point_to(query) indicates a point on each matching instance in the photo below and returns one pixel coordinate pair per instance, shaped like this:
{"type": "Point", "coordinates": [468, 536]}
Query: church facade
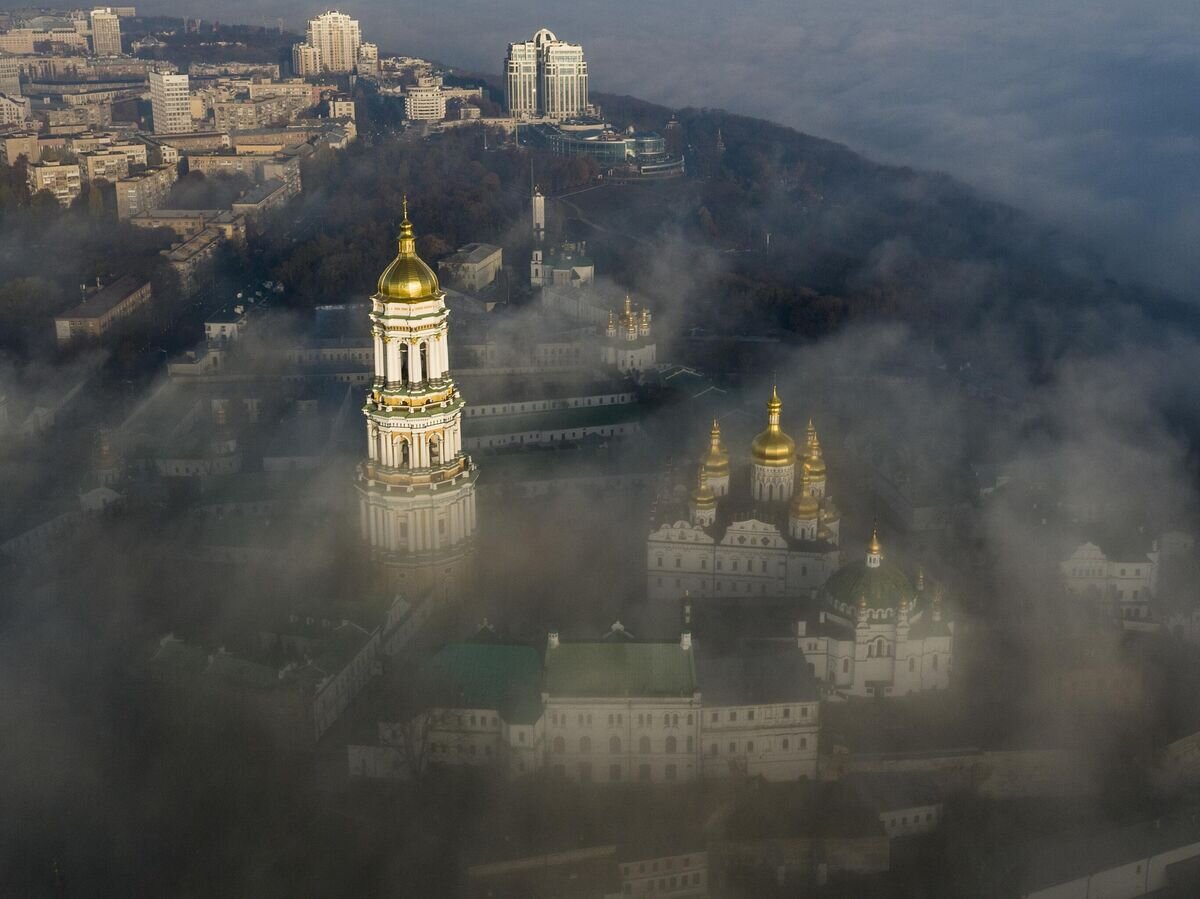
{"type": "Point", "coordinates": [773, 534]}
{"type": "Point", "coordinates": [416, 485]}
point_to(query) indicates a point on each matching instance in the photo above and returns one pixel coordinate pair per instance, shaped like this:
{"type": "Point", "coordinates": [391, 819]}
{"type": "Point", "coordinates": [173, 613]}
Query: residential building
{"type": "Point", "coordinates": [368, 60]}
{"type": "Point", "coordinates": [61, 179]}
{"type": "Point", "coordinates": [98, 312]}
{"type": "Point", "coordinates": [261, 199]}
{"type": "Point", "coordinates": [306, 60]}
{"type": "Point", "coordinates": [252, 113]}
{"type": "Point", "coordinates": [680, 874]}
{"type": "Point", "coordinates": [10, 76]}
{"type": "Point", "coordinates": [341, 108]}
{"type": "Point", "coordinates": [1118, 569]}
{"type": "Point", "coordinates": [106, 32]}
{"type": "Point", "coordinates": [473, 267]}
{"type": "Point", "coordinates": [111, 165]}
{"type": "Point", "coordinates": [546, 77]}
{"type": "Point", "coordinates": [187, 223]}
{"type": "Point", "coordinates": [144, 191]}
{"type": "Point", "coordinates": [336, 38]}
{"type": "Point", "coordinates": [188, 256]}
{"type": "Point", "coordinates": [19, 144]}
{"type": "Point", "coordinates": [14, 110]}
{"type": "Point", "coordinates": [425, 101]}
{"type": "Point", "coordinates": [170, 104]}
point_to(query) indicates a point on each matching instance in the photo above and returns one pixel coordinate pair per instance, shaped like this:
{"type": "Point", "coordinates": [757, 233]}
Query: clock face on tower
{"type": "Point", "coordinates": [416, 485]}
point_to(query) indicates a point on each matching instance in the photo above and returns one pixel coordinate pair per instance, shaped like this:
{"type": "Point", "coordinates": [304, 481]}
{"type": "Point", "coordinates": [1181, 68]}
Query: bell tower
{"type": "Point", "coordinates": [416, 486]}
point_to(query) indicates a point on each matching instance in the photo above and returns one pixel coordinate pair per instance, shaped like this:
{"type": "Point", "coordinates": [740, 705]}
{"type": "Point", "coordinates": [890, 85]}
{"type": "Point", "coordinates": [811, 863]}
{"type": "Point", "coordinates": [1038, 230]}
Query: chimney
{"type": "Point", "coordinates": [685, 640]}
{"type": "Point", "coordinates": [552, 640]}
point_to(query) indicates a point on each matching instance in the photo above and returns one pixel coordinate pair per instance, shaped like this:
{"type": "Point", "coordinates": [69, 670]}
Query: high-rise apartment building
{"type": "Point", "coordinates": [106, 32]}
{"type": "Point", "coordinates": [546, 76]}
{"type": "Point", "coordinates": [368, 59]}
{"type": "Point", "coordinates": [336, 37]}
{"type": "Point", "coordinates": [306, 60]}
{"type": "Point", "coordinates": [169, 103]}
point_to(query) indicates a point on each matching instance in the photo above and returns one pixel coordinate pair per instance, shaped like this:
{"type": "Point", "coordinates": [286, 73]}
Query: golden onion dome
{"type": "Point", "coordinates": [716, 460]}
{"type": "Point", "coordinates": [804, 505]}
{"type": "Point", "coordinates": [773, 447]}
{"type": "Point", "coordinates": [814, 462]}
{"type": "Point", "coordinates": [703, 496]}
{"type": "Point", "coordinates": [875, 548]}
{"type": "Point", "coordinates": [408, 279]}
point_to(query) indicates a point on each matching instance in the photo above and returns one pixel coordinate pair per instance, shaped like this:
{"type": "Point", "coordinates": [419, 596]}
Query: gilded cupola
{"type": "Point", "coordinates": [805, 506]}
{"type": "Point", "coordinates": [408, 279]}
{"type": "Point", "coordinates": [773, 447]}
{"type": "Point", "coordinates": [814, 461]}
{"type": "Point", "coordinates": [716, 460]}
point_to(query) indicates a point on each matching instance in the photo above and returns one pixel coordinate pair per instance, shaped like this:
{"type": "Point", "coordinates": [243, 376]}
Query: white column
{"type": "Point", "coordinates": [393, 360]}
{"type": "Point", "coordinates": [414, 363]}
{"type": "Point", "coordinates": [380, 361]}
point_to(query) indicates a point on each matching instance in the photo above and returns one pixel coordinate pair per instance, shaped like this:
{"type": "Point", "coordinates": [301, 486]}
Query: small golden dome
{"type": "Point", "coordinates": [408, 279]}
{"type": "Point", "coordinates": [813, 460]}
{"type": "Point", "coordinates": [773, 447]}
{"type": "Point", "coordinates": [804, 506]}
{"type": "Point", "coordinates": [716, 460]}
{"type": "Point", "coordinates": [875, 548]}
{"type": "Point", "coordinates": [703, 496]}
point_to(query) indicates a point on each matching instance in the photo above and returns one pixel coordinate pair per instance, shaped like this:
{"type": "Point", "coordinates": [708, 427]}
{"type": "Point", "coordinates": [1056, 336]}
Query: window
{"type": "Point", "coordinates": [787, 712]}
{"type": "Point", "coordinates": [670, 772]}
{"type": "Point", "coordinates": [671, 744]}
{"type": "Point", "coordinates": [704, 563]}
{"type": "Point", "coordinates": [644, 745]}
{"type": "Point", "coordinates": [804, 742]}
{"type": "Point", "coordinates": [935, 663]}
{"type": "Point", "coordinates": [610, 720]}
{"type": "Point", "coordinates": [733, 565]}
{"type": "Point", "coordinates": [732, 746]}
{"type": "Point", "coordinates": [660, 561]}
{"type": "Point", "coordinates": [691, 744]}
{"type": "Point", "coordinates": [750, 746]}
{"type": "Point", "coordinates": [716, 717]}
{"type": "Point", "coordinates": [585, 772]}
{"type": "Point", "coordinates": [644, 772]}
{"type": "Point", "coordinates": [733, 716]}
{"type": "Point", "coordinates": [750, 715]}
{"type": "Point", "coordinates": [845, 666]}
{"type": "Point", "coordinates": [521, 736]}
{"type": "Point", "coordinates": [690, 719]}
{"type": "Point", "coordinates": [785, 743]}
{"type": "Point", "coordinates": [614, 745]}
{"type": "Point", "coordinates": [678, 561]}
{"type": "Point", "coordinates": [585, 744]}
{"type": "Point", "coordinates": [560, 745]}
{"type": "Point", "coordinates": [614, 772]}
{"type": "Point", "coordinates": [912, 664]}
{"type": "Point", "coordinates": [712, 750]}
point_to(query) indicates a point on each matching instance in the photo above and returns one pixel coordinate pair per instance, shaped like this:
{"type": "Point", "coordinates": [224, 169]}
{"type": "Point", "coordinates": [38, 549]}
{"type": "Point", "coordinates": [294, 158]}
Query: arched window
{"type": "Point", "coordinates": [404, 459]}
{"type": "Point", "coordinates": [935, 663]}
{"type": "Point", "coordinates": [674, 721]}
{"type": "Point", "coordinates": [435, 451]}
{"type": "Point", "coordinates": [644, 745]}
{"type": "Point", "coordinates": [424, 361]}
{"type": "Point", "coordinates": [879, 647]}
{"type": "Point", "coordinates": [560, 745]}
{"type": "Point", "coordinates": [585, 744]}
{"type": "Point", "coordinates": [404, 363]}
{"type": "Point", "coordinates": [614, 745]}
{"type": "Point", "coordinates": [845, 666]}
{"type": "Point", "coordinates": [912, 664]}
{"type": "Point", "coordinates": [670, 744]}
{"type": "Point", "coordinates": [871, 651]}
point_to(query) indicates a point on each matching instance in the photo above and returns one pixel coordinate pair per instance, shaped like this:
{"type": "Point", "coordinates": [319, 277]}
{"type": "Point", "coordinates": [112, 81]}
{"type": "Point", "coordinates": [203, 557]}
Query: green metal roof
{"type": "Point", "coordinates": [496, 676]}
{"type": "Point", "coordinates": [620, 669]}
{"type": "Point", "coordinates": [882, 587]}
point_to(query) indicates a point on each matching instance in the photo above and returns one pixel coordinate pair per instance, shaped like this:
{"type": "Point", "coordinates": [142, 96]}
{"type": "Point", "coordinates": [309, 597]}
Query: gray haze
{"type": "Point", "coordinates": [1083, 112]}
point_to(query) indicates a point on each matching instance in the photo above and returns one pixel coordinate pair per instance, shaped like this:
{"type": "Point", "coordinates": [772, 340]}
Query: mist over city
{"type": "Point", "coordinates": [494, 451]}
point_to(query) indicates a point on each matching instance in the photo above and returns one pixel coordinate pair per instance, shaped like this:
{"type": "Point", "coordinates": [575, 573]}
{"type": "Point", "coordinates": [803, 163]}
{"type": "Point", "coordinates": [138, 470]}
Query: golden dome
{"type": "Point", "coordinates": [716, 460]}
{"type": "Point", "coordinates": [773, 447]}
{"type": "Point", "coordinates": [874, 547]}
{"type": "Point", "coordinates": [813, 460]}
{"type": "Point", "coordinates": [407, 278]}
{"type": "Point", "coordinates": [703, 496]}
{"type": "Point", "coordinates": [804, 505]}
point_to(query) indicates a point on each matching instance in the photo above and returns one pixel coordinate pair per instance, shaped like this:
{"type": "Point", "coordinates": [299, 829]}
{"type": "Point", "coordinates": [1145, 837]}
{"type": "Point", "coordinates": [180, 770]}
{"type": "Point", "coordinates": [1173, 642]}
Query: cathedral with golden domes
{"type": "Point", "coordinates": [416, 485]}
{"type": "Point", "coordinates": [777, 535]}
{"type": "Point", "coordinates": [772, 530]}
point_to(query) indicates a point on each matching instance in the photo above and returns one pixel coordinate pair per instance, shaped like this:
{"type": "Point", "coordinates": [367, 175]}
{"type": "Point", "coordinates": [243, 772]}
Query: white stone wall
{"type": "Point", "coordinates": [777, 742]}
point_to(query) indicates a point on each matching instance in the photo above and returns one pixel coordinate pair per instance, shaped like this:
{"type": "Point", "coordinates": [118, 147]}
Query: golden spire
{"type": "Point", "coordinates": [813, 459]}
{"type": "Point", "coordinates": [773, 447]}
{"type": "Point", "coordinates": [703, 496]}
{"type": "Point", "coordinates": [874, 549]}
{"type": "Point", "coordinates": [805, 506]}
{"type": "Point", "coordinates": [628, 305]}
{"type": "Point", "coordinates": [716, 460]}
{"type": "Point", "coordinates": [408, 278]}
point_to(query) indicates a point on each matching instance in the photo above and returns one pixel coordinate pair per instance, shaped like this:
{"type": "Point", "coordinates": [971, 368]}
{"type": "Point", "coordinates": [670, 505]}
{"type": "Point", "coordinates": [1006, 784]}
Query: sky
{"type": "Point", "coordinates": [1084, 113]}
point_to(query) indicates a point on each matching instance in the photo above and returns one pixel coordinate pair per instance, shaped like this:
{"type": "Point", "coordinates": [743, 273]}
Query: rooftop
{"type": "Point", "coordinates": [763, 676]}
{"type": "Point", "coordinates": [620, 669]}
{"type": "Point", "coordinates": [103, 301]}
{"type": "Point", "coordinates": [472, 253]}
{"type": "Point", "coordinates": [497, 676]}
